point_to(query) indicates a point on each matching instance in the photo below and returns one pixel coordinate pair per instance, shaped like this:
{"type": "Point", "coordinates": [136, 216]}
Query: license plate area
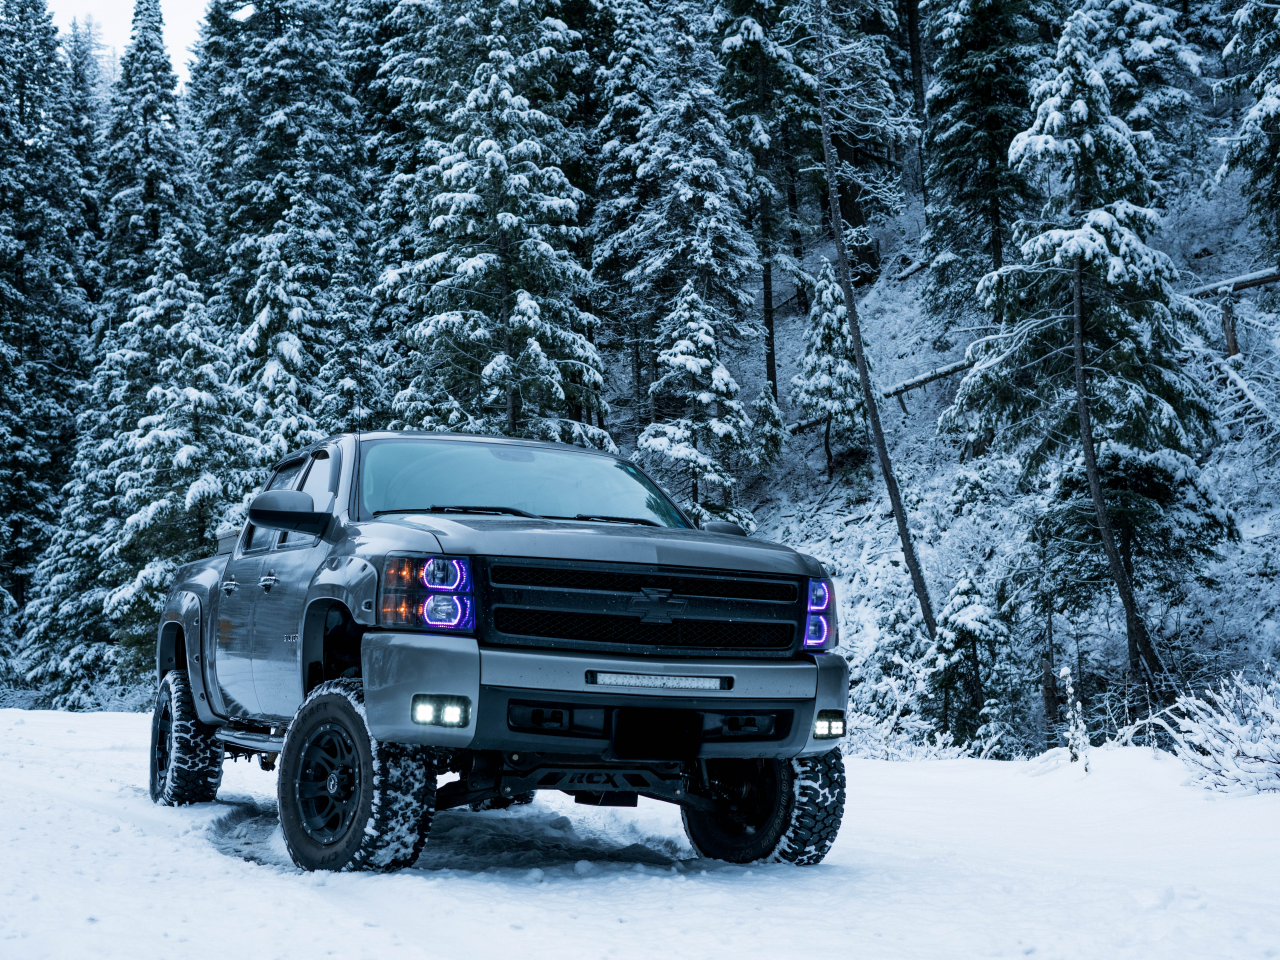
{"type": "Point", "coordinates": [647, 733]}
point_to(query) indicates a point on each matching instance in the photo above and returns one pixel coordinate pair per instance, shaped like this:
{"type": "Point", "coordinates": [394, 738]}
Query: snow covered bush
{"type": "Point", "coordinates": [1231, 737]}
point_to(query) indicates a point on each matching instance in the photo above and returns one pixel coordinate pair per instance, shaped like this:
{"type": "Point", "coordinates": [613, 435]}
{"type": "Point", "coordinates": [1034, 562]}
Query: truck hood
{"type": "Point", "coordinates": [599, 542]}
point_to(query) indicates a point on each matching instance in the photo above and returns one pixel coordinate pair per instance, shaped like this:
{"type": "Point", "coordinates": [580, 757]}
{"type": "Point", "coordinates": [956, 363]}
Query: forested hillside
{"type": "Point", "coordinates": [715, 237]}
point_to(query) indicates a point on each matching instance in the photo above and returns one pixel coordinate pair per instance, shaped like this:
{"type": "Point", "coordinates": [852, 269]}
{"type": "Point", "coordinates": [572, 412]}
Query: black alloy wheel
{"type": "Point", "coordinates": [328, 785]}
{"type": "Point", "coordinates": [348, 801]}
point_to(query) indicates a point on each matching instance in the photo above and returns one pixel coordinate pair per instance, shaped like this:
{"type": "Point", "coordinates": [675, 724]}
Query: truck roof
{"type": "Point", "coordinates": [431, 434]}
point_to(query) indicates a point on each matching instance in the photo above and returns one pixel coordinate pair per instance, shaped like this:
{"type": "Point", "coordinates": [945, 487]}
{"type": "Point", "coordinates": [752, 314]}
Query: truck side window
{"type": "Point", "coordinates": [283, 479]}
{"type": "Point", "coordinates": [319, 484]}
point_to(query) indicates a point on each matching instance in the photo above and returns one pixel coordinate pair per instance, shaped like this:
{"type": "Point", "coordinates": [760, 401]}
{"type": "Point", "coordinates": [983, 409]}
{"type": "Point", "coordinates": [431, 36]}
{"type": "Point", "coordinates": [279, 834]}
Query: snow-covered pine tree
{"type": "Point", "coordinates": [189, 462]}
{"type": "Point", "coordinates": [827, 386]}
{"type": "Point", "coordinates": [1256, 44]}
{"type": "Point", "coordinates": [975, 687]}
{"type": "Point", "coordinates": [149, 481]}
{"type": "Point", "coordinates": [764, 90]}
{"type": "Point", "coordinates": [689, 203]}
{"type": "Point", "coordinates": [147, 182]}
{"type": "Point", "coordinates": [497, 342]}
{"type": "Point", "coordinates": [83, 49]}
{"type": "Point", "coordinates": [695, 451]}
{"type": "Point", "coordinates": [870, 126]}
{"type": "Point", "coordinates": [42, 307]}
{"type": "Point", "coordinates": [978, 103]}
{"type": "Point", "coordinates": [1089, 294]}
{"type": "Point", "coordinates": [273, 108]}
{"type": "Point", "coordinates": [626, 88]}
{"type": "Point", "coordinates": [1151, 72]}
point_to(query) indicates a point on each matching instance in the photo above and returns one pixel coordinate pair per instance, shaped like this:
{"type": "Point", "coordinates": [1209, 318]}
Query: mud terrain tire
{"type": "Point", "coordinates": [186, 758]}
{"type": "Point", "coordinates": [347, 801]}
{"type": "Point", "coordinates": [777, 811]}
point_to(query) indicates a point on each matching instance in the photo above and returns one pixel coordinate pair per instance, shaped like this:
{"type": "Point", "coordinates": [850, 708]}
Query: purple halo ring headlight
{"type": "Point", "coordinates": [819, 595]}
{"type": "Point", "coordinates": [451, 574]}
{"type": "Point", "coordinates": [816, 632]}
{"type": "Point", "coordinates": [448, 610]}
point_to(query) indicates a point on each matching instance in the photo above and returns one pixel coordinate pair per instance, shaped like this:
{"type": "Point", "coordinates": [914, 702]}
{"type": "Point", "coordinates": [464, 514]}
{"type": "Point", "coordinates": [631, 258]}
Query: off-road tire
{"type": "Point", "coordinates": [186, 758]}
{"type": "Point", "coordinates": [797, 823]}
{"type": "Point", "coordinates": [391, 799]}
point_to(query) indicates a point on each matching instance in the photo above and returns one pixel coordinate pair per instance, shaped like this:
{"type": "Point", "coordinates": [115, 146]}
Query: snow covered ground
{"type": "Point", "coordinates": [946, 859]}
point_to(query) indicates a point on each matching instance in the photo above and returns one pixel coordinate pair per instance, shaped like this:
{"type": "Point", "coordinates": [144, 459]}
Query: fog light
{"type": "Point", "coordinates": [441, 711]}
{"type": "Point", "coordinates": [829, 725]}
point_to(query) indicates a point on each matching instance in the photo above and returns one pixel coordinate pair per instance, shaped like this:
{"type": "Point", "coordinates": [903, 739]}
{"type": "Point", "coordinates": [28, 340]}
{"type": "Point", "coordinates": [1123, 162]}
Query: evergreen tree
{"type": "Point", "coordinates": [146, 181]}
{"type": "Point", "coordinates": [497, 342]}
{"type": "Point", "coordinates": [827, 386]}
{"type": "Point", "coordinates": [627, 88]}
{"type": "Point", "coordinates": [695, 453]}
{"type": "Point", "coordinates": [978, 103]}
{"type": "Point", "coordinates": [280, 156]}
{"type": "Point", "coordinates": [975, 685]}
{"type": "Point", "coordinates": [688, 205]}
{"type": "Point", "coordinates": [83, 49]}
{"type": "Point", "coordinates": [1090, 294]}
{"type": "Point", "coordinates": [1257, 43]}
{"type": "Point", "coordinates": [764, 91]}
{"type": "Point", "coordinates": [1150, 69]}
{"type": "Point", "coordinates": [42, 306]}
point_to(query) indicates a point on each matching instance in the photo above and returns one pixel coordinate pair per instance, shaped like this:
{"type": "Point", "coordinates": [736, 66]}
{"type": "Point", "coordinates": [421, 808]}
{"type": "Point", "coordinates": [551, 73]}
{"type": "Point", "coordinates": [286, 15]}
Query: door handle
{"type": "Point", "coordinates": [269, 581]}
{"type": "Point", "coordinates": [229, 587]}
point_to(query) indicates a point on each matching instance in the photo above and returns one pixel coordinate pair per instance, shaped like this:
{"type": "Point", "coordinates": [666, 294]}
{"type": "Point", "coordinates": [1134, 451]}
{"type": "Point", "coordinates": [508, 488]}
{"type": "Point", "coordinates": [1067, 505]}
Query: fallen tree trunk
{"type": "Point", "coordinates": [937, 373]}
{"type": "Point", "coordinates": [1235, 284]}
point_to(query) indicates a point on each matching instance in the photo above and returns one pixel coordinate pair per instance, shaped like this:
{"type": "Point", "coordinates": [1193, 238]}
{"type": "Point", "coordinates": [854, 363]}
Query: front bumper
{"type": "Point", "coordinates": [762, 709]}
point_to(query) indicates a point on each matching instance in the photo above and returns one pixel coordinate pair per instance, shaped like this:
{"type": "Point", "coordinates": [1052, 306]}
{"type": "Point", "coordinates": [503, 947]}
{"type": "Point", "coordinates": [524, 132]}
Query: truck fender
{"type": "Point", "coordinates": [351, 581]}
{"type": "Point", "coordinates": [178, 647]}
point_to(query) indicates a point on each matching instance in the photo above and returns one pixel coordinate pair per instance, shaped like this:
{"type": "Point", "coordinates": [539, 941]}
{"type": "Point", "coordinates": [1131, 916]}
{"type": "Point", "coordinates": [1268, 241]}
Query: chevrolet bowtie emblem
{"type": "Point", "coordinates": [656, 606]}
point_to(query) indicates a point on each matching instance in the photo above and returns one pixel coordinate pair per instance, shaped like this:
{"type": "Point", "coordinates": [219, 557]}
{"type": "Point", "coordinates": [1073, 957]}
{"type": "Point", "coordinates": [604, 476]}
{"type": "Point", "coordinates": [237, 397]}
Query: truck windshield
{"type": "Point", "coordinates": [415, 475]}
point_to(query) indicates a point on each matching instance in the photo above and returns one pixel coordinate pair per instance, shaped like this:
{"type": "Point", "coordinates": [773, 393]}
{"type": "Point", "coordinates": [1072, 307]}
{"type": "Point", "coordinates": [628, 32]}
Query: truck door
{"type": "Point", "coordinates": [286, 574]}
{"type": "Point", "coordinates": [233, 663]}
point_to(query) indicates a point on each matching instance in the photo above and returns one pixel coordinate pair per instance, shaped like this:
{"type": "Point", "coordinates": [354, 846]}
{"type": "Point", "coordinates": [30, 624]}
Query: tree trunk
{"type": "Point", "coordinates": [826, 445]}
{"type": "Point", "coordinates": [1229, 325]}
{"type": "Point", "coordinates": [766, 257]}
{"type": "Point", "coordinates": [1049, 688]}
{"type": "Point", "coordinates": [508, 344]}
{"type": "Point", "coordinates": [997, 231]}
{"type": "Point", "coordinates": [797, 247]}
{"type": "Point", "coordinates": [1142, 657]}
{"type": "Point", "coordinates": [864, 375]}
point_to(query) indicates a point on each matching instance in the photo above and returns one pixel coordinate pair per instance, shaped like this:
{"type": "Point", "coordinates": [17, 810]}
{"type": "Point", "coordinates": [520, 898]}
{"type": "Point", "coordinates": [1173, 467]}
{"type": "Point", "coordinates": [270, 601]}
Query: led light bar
{"type": "Point", "coordinates": [652, 681]}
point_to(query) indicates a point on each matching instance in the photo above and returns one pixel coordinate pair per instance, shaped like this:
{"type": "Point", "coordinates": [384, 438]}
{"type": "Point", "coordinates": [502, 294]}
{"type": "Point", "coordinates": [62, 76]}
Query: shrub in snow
{"type": "Point", "coordinates": [1077, 733]}
{"type": "Point", "coordinates": [1230, 738]}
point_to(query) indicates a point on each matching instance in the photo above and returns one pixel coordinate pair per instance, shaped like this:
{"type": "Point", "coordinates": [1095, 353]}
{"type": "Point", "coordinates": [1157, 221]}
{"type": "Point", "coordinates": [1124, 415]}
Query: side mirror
{"type": "Point", "coordinates": [723, 526]}
{"type": "Point", "coordinates": [288, 510]}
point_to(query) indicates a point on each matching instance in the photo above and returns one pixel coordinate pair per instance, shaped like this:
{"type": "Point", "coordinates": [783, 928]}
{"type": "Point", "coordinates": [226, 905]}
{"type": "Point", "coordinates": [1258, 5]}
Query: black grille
{"type": "Point", "coordinates": [602, 628]}
{"type": "Point", "coordinates": [735, 589]}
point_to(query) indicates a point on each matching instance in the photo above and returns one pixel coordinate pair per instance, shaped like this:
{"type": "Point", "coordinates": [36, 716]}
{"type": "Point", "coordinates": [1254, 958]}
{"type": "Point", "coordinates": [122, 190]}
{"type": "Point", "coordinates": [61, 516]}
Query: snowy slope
{"type": "Point", "coordinates": [951, 859]}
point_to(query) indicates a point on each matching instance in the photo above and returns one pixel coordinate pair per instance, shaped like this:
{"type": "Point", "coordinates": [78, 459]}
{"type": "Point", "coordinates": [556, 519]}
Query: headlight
{"type": "Point", "coordinates": [434, 592]}
{"type": "Point", "coordinates": [822, 630]}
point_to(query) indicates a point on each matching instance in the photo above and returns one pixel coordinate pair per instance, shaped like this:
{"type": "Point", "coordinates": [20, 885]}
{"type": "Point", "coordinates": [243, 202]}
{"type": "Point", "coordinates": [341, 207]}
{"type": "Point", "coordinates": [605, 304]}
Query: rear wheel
{"type": "Point", "coordinates": [186, 758]}
{"type": "Point", "coordinates": [347, 801]}
{"type": "Point", "coordinates": [786, 811]}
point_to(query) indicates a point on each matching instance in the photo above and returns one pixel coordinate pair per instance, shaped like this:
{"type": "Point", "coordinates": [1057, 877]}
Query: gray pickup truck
{"type": "Point", "coordinates": [527, 616]}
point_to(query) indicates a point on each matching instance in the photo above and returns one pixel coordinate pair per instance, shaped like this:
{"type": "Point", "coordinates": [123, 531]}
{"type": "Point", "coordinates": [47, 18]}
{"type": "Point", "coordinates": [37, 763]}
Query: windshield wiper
{"type": "Point", "coordinates": [606, 519]}
{"type": "Point", "coordinates": [512, 511]}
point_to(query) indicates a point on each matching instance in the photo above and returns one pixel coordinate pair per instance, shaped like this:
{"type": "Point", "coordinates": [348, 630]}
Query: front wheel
{"type": "Point", "coordinates": [186, 758]}
{"type": "Point", "coordinates": [781, 811]}
{"type": "Point", "coordinates": [348, 801]}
